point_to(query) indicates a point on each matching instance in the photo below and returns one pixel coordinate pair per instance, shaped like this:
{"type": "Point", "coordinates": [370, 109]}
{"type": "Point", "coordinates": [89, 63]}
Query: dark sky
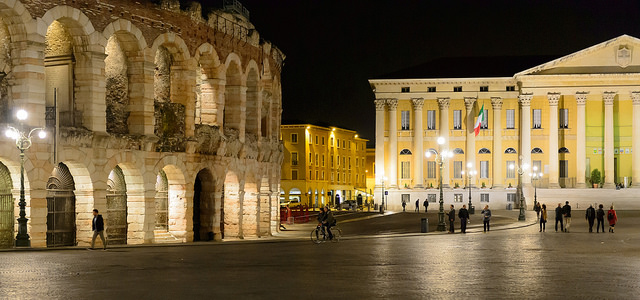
{"type": "Point", "coordinates": [334, 47]}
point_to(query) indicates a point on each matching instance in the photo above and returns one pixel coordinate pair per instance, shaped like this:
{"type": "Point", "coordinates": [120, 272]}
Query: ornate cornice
{"type": "Point", "coordinates": [417, 103]}
{"type": "Point", "coordinates": [496, 102]}
{"type": "Point", "coordinates": [581, 98]}
{"type": "Point", "coordinates": [635, 97]}
{"type": "Point", "coordinates": [469, 101]}
{"type": "Point", "coordinates": [608, 97]}
{"type": "Point", "coordinates": [444, 102]}
{"type": "Point", "coordinates": [553, 98]}
{"type": "Point", "coordinates": [525, 99]}
{"type": "Point", "coordinates": [392, 103]}
{"type": "Point", "coordinates": [381, 104]}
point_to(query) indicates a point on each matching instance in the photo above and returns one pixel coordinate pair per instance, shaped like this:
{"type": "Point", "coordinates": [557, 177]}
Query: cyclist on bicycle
{"type": "Point", "coordinates": [328, 221]}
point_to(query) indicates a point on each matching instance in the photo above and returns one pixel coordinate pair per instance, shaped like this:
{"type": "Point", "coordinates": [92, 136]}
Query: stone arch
{"type": "Point", "coordinates": [122, 25]}
{"type": "Point", "coordinates": [85, 199]}
{"type": "Point", "coordinates": [253, 102]}
{"type": "Point", "coordinates": [250, 205]}
{"type": "Point", "coordinates": [234, 96]}
{"type": "Point", "coordinates": [231, 206]}
{"type": "Point", "coordinates": [116, 214]}
{"type": "Point", "coordinates": [135, 205]}
{"type": "Point", "coordinates": [174, 43]}
{"type": "Point", "coordinates": [209, 86]}
{"type": "Point", "coordinates": [179, 208]}
{"type": "Point", "coordinates": [203, 206]}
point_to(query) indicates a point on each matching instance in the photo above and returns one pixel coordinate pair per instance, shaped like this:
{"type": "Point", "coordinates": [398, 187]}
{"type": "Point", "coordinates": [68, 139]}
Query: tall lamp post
{"type": "Point", "coordinates": [470, 173]}
{"type": "Point", "coordinates": [521, 168]}
{"type": "Point", "coordinates": [382, 195]}
{"type": "Point", "coordinates": [440, 159]}
{"type": "Point", "coordinates": [535, 176]}
{"type": "Point", "coordinates": [23, 142]}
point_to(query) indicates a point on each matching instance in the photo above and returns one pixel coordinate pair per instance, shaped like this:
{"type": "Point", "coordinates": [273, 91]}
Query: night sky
{"type": "Point", "coordinates": [333, 47]}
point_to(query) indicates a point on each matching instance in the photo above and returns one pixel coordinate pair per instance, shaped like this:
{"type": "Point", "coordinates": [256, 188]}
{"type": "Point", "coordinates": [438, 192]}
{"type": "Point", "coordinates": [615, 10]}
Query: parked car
{"type": "Point", "coordinates": [349, 204]}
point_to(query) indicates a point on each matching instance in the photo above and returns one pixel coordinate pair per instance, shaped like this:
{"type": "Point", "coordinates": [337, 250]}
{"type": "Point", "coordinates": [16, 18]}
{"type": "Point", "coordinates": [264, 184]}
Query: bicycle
{"type": "Point", "coordinates": [319, 234]}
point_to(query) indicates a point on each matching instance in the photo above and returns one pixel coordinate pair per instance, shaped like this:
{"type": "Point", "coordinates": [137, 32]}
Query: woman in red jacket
{"type": "Point", "coordinates": [613, 219]}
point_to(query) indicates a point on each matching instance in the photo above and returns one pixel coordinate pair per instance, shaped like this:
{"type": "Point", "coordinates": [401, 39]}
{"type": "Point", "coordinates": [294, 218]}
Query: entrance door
{"type": "Point", "coordinates": [116, 227]}
{"type": "Point", "coordinates": [7, 218]}
{"type": "Point", "coordinates": [197, 192]}
{"type": "Point", "coordinates": [162, 201]}
{"type": "Point", "coordinates": [61, 208]}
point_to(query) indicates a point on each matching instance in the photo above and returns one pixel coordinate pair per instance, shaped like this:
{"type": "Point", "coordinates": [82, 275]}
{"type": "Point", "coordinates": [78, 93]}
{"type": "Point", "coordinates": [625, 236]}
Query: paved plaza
{"type": "Point", "coordinates": [514, 261]}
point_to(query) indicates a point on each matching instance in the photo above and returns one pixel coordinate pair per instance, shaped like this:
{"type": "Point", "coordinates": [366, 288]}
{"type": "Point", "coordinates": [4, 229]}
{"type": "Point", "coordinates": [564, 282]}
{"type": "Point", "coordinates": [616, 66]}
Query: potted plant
{"type": "Point", "coordinates": [457, 186]}
{"type": "Point", "coordinates": [484, 186]}
{"type": "Point", "coordinates": [430, 185]}
{"type": "Point", "coordinates": [595, 178]}
{"type": "Point", "coordinates": [510, 186]}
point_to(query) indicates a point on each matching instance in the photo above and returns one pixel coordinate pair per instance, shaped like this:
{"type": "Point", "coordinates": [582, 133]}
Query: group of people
{"type": "Point", "coordinates": [463, 215]}
{"type": "Point", "coordinates": [563, 216]}
{"type": "Point", "coordinates": [425, 204]}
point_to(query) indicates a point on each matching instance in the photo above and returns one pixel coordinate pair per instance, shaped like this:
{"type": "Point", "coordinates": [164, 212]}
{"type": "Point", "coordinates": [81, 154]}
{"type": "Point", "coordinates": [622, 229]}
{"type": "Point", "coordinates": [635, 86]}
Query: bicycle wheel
{"type": "Point", "coordinates": [337, 234]}
{"type": "Point", "coordinates": [317, 236]}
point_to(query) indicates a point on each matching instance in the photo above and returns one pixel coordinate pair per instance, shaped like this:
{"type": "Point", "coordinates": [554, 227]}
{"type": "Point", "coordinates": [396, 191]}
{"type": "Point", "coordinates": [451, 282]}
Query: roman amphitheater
{"type": "Point", "coordinates": [165, 117]}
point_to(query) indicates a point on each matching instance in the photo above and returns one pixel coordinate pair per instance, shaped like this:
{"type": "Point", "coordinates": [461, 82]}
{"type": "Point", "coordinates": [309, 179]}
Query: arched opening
{"type": "Point", "coordinates": [231, 205]}
{"type": "Point", "coordinates": [295, 197]}
{"type": "Point", "coordinates": [59, 61]}
{"type": "Point", "coordinates": [203, 207]}
{"type": "Point", "coordinates": [264, 114]}
{"type": "Point", "coordinates": [510, 151]}
{"type": "Point", "coordinates": [61, 208]}
{"type": "Point", "coordinates": [116, 218]}
{"type": "Point", "coordinates": [170, 117]}
{"type": "Point", "coordinates": [252, 111]}
{"type": "Point", "coordinates": [177, 217]}
{"type": "Point", "coordinates": [232, 98]}
{"type": "Point", "coordinates": [6, 208]}
{"type": "Point", "coordinates": [162, 202]}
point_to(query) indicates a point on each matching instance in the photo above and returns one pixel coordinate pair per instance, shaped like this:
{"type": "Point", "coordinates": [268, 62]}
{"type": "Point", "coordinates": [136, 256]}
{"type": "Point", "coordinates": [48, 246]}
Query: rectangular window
{"type": "Point", "coordinates": [323, 160]}
{"type": "Point", "coordinates": [310, 178]}
{"type": "Point", "coordinates": [344, 177]}
{"type": "Point", "coordinates": [457, 89]}
{"type": "Point", "coordinates": [537, 119]}
{"type": "Point", "coordinates": [405, 168]}
{"type": "Point", "coordinates": [406, 89]}
{"type": "Point", "coordinates": [349, 163]}
{"type": "Point", "coordinates": [332, 176]}
{"type": "Point", "coordinates": [338, 143]}
{"type": "Point", "coordinates": [317, 162]}
{"type": "Point", "coordinates": [431, 169]}
{"type": "Point", "coordinates": [564, 118]}
{"type": "Point", "coordinates": [511, 173]}
{"type": "Point", "coordinates": [406, 198]}
{"type": "Point", "coordinates": [316, 139]}
{"type": "Point", "coordinates": [294, 158]}
{"type": "Point", "coordinates": [404, 120]}
{"type": "Point", "coordinates": [344, 144]}
{"type": "Point", "coordinates": [564, 168]}
{"type": "Point", "coordinates": [294, 138]}
{"type": "Point", "coordinates": [338, 160]}
{"type": "Point", "coordinates": [323, 140]}
{"type": "Point", "coordinates": [511, 197]}
{"type": "Point", "coordinates": [457, 119]}
{"type": "Point", "coordinates": [457, 169]}
{"type": "Point", "coordinates": [484, 169]}
{"type": "Point", "coordinates": [537, 164]}
{"type": "Point", "coordinates": [511, 118]}
{"type": "Point", "coordinates": [511, 88]}
{"type": "Point", "coordinates": [338, 176]}
{"type": "Point", "coordinates": [316, 175]}
{"type": "Point", "coordinates": [484, 88]}
{"type": "Point", "coordinates": [431, 119]}
{"type": "Point", "coordinates": [485, 121]}
{"type": "Point", "coordinates": [310, 161]}
{"type": "Point", "coordinates": [331, 141]}
{"type": "Point", "coordinates": [431, 89]}
{"type": "Point", "coordinates": [294, 174]}
{"type": "Point", "coordinates": [322, 175]}
{"type": "Point", "coordinates": [344, 162]}
{"type": "Point", "coordinates": [431, 197]}
{"type": "Point", "coordinates": [457, 198]}
{"type": "Point", "coordinates": [332, 161]}
{"type": "Point", "coordinates": [484, 198]}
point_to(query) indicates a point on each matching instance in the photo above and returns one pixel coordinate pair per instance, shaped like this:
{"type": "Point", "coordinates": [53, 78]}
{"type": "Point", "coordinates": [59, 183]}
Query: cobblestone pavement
{"type": "Point", "coordinates": [519, 263]}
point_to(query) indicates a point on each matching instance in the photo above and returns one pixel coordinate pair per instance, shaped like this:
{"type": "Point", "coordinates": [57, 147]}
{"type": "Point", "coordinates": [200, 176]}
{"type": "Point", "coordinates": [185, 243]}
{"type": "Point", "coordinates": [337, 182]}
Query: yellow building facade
{"type": "Point", "coordinates": [563, 118]}
{"type": "Point", "coordinates": [322, 166]}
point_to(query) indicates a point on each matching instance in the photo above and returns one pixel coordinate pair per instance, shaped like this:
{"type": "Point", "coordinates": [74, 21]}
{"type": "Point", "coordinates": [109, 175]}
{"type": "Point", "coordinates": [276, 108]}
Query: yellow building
{"type": "Point", "coordinates": [563, 118]}
{"type": "Point", "coordinates": [322, 166]}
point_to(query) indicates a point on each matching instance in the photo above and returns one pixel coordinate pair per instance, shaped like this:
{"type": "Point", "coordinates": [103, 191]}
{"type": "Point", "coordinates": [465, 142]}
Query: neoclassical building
{"type": "Point", "coordinates": [563, 118]}
{"type": "Point", "coordinates": [165, 119]}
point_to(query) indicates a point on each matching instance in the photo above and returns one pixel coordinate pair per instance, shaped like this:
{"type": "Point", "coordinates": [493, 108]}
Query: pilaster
{"type": "Point", "coordinates": [525, 133]}
{"type": "Point", "coordinates": [581, 154]}
{"type": "Point", "coordinates": [418, 142]}
{"type": "Point", "coordinates": [444, 132]}
{"type": "Point", "coordinates": [393, 143]}
{"type": "Point", "coordinates": [553, 99]}
{"type": "Point", "coordinates": [609, 168]}
{"type": "Point", "coordinates": [496, 103]}
{"type": "Point", "coordinates": [635, 146]}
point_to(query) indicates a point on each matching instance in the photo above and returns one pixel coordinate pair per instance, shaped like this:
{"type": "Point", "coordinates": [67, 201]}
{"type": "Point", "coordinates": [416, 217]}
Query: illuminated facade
{"type": "Point", "coordinates": [565, 117]}
{"type": "Point", "coordinates": [322, 165]}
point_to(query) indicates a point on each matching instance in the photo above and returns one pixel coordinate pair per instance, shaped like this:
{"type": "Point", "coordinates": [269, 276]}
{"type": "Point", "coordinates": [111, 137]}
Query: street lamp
{"type": "Point", "coordinates": [23, 142]}
{"type": "Point", "coordinates": [440, 159]}
{"type": "Point", "coordinates": [470, 173]}
{"type": "Point", "coordinates": [382, 196]}
{"type": "Point", "coordinates": [521, 168]}
{"type": "Point", "coordinates": [535, 176]}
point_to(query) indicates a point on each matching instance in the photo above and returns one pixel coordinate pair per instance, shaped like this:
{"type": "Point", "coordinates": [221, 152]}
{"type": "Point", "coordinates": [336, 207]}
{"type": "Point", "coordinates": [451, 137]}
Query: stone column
{"type": "Point", "coordinates": [581, 154]}
{"type": "Point", "coordinates": [381, 105]}
{"type": "Point", "coordinates": [470, 152]}
{"type": "Point", "coordinates": [392, 167]}
{"type": "Point", "coordinates": [609, 168]}
{"type": "Point", "coordinates": [418, 142]}
{"type": "Point", "coordinates": [217, 210]}
{"type": "Point", "coordinates": [525, 133]}
{"type": "Point", "coordinates": [635, 143]}
{"type": "Point", "coordinates": [496, 103]}
{"type": "Point", "coordinates": [444, 132]}
{"type": "Point", "coordinates": [553, 139]}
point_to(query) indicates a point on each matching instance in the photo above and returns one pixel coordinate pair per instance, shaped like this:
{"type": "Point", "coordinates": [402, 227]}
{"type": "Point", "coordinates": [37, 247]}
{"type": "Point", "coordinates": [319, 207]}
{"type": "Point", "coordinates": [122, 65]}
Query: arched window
{"type": "Point", "coordinates": [458, 151]}
{"type": "Point", "coordinates": [536, 151]}
{"type": "Point", "coordinates": [510, 151]}
{"type": "Point", "coordinates": [563, 150]}
{"type": "Point", "coordinates": [484, 151]}
{"type": "Point", "coordinates": [405, 152]}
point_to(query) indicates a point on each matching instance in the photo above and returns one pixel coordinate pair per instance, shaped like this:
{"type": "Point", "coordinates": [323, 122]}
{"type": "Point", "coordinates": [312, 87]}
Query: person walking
{"type": "Point", "coordinates": [425, 204]}
{"type": "Point", "coordinates": [613, 219]}
{"type": "Point", "coordinates": [417, 205]}
{"type": "Point", "coordinates": [97, 225]}
{"type": "Point", "coordinates": [537, 208]}
{"type": "Point", "coordinates": [590, 215]}
{"type": "Point", "coordinates": [463, 214]}
{"type": "Point", "coordinates": [452, 218]}
{"type": "Point", "coordinates": [559, 216]}
{"type": "Point", "coordinates": [404, 204]}
{"type": "Point", "coordinates": [600, 218]}
{"type": "Point", "coordinates": [543, 218]}
{"type": "Point", "coordinates": [566, 213]}
{"type": "Point", "coordinates": [486, 217]}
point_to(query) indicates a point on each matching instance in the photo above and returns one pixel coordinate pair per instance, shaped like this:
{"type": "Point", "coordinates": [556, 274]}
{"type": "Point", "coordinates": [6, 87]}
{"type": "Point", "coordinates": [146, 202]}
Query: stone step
{"type": "Point", "coordinates": [162, 236]}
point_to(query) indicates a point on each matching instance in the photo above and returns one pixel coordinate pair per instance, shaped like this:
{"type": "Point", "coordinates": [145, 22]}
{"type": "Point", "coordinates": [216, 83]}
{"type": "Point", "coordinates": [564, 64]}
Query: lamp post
{"type": "Point", "coordinates": [470, 173]}
{"type": "Point", "coordinates": [23, 142]}
{"type": "Point", "coordinates": [382, 195]}
{"type": "Point", "coordinates": [535, 176]}
{"type": "Point", "coordinates": [440, 160]}
{"type": "Point", "coordinates": [521, 168]}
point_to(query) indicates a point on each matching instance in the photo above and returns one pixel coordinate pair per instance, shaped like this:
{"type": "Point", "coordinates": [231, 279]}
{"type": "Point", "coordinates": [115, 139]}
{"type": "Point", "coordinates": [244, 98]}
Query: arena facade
{"type": "Point", "coordinates": [164, 117]}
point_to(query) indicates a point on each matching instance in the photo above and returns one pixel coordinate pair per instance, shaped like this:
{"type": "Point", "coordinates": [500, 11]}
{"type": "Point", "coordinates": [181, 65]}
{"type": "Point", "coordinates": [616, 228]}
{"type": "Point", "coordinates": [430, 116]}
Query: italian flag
{"type": "Point", "coordinates": [481, 117]}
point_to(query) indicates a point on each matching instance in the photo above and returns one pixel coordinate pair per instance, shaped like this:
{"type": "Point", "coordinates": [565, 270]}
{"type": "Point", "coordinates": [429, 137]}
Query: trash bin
{"type": "Point", "coordinates": [472, 209]}
{"type": "Point", "coordinates": [424, 225]}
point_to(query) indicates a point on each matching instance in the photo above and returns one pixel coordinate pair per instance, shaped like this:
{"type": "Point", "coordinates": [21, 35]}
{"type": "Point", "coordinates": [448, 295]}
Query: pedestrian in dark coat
{"type": "Point", "coordinates": [425, 204]}
{"type": "Point", "coordinates": [590, 215]}
{"type": "Point", "coordinates": [463, 214]}
{"type": "Point", "coordinates": [600, 218]}
{"type": "Point", "coordinates": [404, 204]}
{"type": "Point", "coordinates": [566, 211]}
{"type": "Point", "coordinates": [97, 225]}
{"type": "Point", "coordinates": [537, 208]}
{"type": "Point", "coordinates": [486, 217]}
{"type": "Point", "coordinates": [417, 205]}
{"type": "Point", "coordinates": [559, 215]}
{"type": "Point", "coordinates": [613, 219]}
{"type": "Point", "coordinates": [452, 218]}
{"type": "Point", "coordinates": [543, 218]}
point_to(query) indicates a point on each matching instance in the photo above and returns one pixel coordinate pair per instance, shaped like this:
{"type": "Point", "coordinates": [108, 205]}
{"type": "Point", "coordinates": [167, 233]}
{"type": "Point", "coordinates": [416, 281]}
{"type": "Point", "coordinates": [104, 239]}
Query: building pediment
{"type": "Point", "coordinates": [618, 55]}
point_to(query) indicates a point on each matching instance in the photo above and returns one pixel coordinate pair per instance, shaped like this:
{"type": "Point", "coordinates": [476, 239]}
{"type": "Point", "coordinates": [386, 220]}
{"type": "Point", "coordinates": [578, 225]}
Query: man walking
{"type": "Point", "coordinates": [591, 216]}
{"type": "Point", "coordinates": [98, 229]}
{"type": "Point", "coordinates": [404, 204]}
{"type": "Point", "coordinates": [463, 214]}
{"type": "Point", "coordinates": [600, 217]}
{"type": "Point", "coordinates": [486, 217]}
{"type": "Point", "coordinates": [452, 218]}
{"type": "Point", "coordinates": [559, 217]}
{"type": "Point", "coordinates": [425, 204]}
{"type": "Point", "coordinates": [417, 205]}
{"type": "Point", "coordinates": [566, 210]}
